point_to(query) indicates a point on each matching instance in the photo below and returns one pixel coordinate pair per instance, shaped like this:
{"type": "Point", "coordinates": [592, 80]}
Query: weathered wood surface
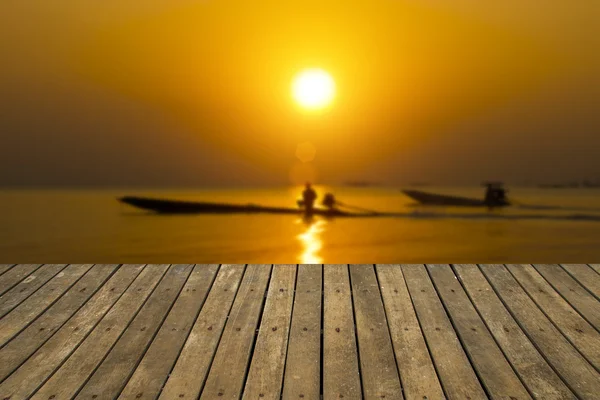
{"type": "Point", "coordinates": [299, 332]}
{"type": "Point", "coordinates": [24, 345]}
{"type": "Point", "coordinates": [194, 361]}
{"type": "Point", "coordinates": [26, 287]}
{"type": "Point", "coordinates": [586, 276]}
{"type": "Point", "coordinates": [153, 371]}
{"type": "Point", "coordinates": [417, 372]}
{"type": "Point", "coordinates": [265, 376]}
{"type": "Point", "coordinates": [572, 367]}
{"type": "Point", "coordinates": [457, 376]}
{"type": "Point", "coordinates": [112, 374]}
{"type": "Point", "coordinates": [531, 366]}
{"type": "Point", "coordinates": [42, 364]}
{"type": "Point", "coordinates": [572, 325]}
{"type": "Point", "coordinates": [490, 364]}
{"type": "Point", "coordinates": [30, 309]}
{"type": "Point", "coordinates": [303, 363]}
{"type": "Point", "coordinates": [5, 267]}
{"type": "Point", "coordinates": [379, 372]}
{"type": "Point", "coordinates": [230, 365]}
{"type": "Point", "coordinates": [79, 367]}
{"type": "Point", "coordinates": [14, 275]}
{"type": "Point", "coordinates": [572, 291]}
{"type": "Point", "coordinates": [341, 378]}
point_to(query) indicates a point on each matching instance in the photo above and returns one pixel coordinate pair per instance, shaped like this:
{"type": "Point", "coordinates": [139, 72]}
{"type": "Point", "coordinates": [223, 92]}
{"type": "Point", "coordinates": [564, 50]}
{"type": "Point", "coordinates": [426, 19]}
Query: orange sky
{"type": "Point", "coordinates": [152, 93]}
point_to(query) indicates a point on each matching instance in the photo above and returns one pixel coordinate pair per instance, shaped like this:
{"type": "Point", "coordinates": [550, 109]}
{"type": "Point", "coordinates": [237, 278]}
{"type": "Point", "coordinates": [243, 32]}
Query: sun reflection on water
{"type": "Point", "coordinates": [311, 241]}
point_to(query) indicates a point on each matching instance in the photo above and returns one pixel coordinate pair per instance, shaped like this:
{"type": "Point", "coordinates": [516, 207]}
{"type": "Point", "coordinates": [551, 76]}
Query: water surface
{"type": "Point", "coordinates": [78, 226]}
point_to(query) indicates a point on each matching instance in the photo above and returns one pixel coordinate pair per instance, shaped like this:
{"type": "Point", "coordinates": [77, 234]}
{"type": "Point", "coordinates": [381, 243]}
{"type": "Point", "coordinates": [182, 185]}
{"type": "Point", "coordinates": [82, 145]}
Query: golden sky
{"type": "Point", "coordinates": [198, 92]}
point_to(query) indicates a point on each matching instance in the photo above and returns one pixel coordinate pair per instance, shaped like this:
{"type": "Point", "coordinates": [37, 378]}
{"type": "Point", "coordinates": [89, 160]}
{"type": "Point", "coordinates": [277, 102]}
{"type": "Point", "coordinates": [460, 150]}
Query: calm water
{"type": "Point", "coordinates": [90, 226]}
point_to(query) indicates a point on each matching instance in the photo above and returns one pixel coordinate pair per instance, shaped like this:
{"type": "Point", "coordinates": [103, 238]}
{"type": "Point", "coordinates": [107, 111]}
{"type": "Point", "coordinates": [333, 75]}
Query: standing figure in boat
{"type": "Point", "coordinates": [309, 196]}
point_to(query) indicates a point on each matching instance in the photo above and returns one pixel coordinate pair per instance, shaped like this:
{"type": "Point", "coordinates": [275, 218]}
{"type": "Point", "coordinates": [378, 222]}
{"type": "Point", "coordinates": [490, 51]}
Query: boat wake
{"type": "Point", "coordinates": [491, 216]}
{"type": "Point", "coordinates": [557, 208]}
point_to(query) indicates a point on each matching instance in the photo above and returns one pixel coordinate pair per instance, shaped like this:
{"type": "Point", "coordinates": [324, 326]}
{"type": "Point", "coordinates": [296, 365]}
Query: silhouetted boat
{"type": "Point", "coordinates": [185, 207]}
{"type": "Point", "coordinates": [444, 200]}
{"type": "Point", "coordinates": [164, 206]}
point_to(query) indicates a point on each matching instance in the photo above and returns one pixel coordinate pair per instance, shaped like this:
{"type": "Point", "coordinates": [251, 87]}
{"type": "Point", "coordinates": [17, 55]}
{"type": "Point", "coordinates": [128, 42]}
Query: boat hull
{"type": "Point", "coordinates": [450, 201]}
{"type": "Point", "coordinates": [164, 206]}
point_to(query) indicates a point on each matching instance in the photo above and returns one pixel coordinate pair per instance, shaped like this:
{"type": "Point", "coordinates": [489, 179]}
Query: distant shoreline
{"type": "Point", "coordinates": [343, 185]}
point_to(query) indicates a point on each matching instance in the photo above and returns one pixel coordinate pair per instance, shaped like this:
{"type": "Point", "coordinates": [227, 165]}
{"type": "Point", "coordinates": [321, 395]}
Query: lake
{"type": "Point", "coordinates": [90, 226]}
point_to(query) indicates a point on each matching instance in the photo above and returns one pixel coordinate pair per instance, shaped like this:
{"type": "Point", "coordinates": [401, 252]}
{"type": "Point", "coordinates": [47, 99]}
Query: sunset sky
{"type": "Point", "coordinates": [192, 93]}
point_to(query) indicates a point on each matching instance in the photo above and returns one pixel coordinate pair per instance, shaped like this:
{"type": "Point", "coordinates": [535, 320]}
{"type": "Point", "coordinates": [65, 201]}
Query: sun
{"type": "Point", "coordinates": [313, 89]}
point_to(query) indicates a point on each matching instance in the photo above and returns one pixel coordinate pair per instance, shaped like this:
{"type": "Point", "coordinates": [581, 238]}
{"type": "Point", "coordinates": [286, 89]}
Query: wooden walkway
{"type": "Point", "coordinates": [299, 332]}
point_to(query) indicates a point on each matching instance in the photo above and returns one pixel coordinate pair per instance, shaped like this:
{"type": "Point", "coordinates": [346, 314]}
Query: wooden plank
{"type": "Point", "coordinates": [494, 371]}
{"type": "Point", "coordinates": [579, 332]}
{"type": "Point", "coordinates": [533, 369]}
{"type": "Point", "coordinates": [25, 381]}
{"type": "Point", "coordinates": [24, 345]}
{"type": "Point", "coordinates": [303, 364]}
{"type": "Point", "coordinates": [417, 372]}
{"type": "Point", "coordinates": [111, 376]}
{"type": "Point", "coordinates": [341, 378]}
{"type": "Point", "coordinates": [265, 376]}
{"type": "Point", "coordinates": [575, 294]}
{"type": "Point", "coordinates": [577, 373]}
{"type": "Point", "coordinates": [228, 371]}
{"type": "Point", "coordinates": [15, 275]}
{"type": "Point", "coordinates": [5, 267]}
{"type": "Point", "coordinates": [454, 370]}
{"type": "Point", "coordinates": [189, 373]}
{"type": "Point", "coordinates": [595, 267]}
{"type": "Point", "coordinates": [30, 309]}
{"type": "Point", "coordinates": [27, 286]}
{"type": "Point", "coordinates": [67, 380]}
{"type": "Point", "coordinates": [153, 371]}
{"type": "Point", "coordinates": [379, 371]}
{"type": "Point", "coordinates": [586, 277]}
